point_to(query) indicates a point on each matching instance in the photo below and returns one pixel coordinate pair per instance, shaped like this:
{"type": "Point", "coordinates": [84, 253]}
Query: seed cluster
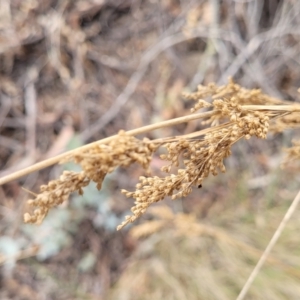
{"type": "Point", "coordinates": [123, 151]}
{"type": "Point", "coordinates": [189, 159]}
{"type": "Point", "coordinates": [197, 159]}
{"type": "Point", "coordinates": [241, 95]}
{"type": "Point", "coordinates": [244, 122]}
{"type": "Point", "coordinates": [96, 162]}
{"type": "Point", "coordinates": [55, 193]}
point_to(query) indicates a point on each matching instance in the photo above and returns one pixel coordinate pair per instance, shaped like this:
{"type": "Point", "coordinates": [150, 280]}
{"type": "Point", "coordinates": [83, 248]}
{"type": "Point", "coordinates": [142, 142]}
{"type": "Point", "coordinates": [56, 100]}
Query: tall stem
{"type": "Point", "coordinates": [56, 159]}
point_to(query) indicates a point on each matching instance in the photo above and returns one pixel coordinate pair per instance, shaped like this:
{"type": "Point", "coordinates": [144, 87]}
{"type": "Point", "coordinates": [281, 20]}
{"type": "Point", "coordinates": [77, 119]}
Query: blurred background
{"type": "Point", "coordinates": [74, 71]}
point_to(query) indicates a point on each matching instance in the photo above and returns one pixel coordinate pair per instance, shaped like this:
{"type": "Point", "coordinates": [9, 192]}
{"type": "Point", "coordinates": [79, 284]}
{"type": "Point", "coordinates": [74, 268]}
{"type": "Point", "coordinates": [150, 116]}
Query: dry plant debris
{"type": "Point", "coordinates": [96, 162]}
{"type": "Point", "coordinates": [236, 113]}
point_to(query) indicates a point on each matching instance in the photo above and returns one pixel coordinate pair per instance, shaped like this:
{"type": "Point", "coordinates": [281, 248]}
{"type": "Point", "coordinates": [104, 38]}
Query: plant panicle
{"type": "Point", "coordinates": [96, 162]}
{"type": "Point", "coordinates": [236, 113]}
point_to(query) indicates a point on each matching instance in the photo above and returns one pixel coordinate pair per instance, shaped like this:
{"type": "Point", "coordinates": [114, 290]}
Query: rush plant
{"type": "Point", "coordinates": [232, 113]}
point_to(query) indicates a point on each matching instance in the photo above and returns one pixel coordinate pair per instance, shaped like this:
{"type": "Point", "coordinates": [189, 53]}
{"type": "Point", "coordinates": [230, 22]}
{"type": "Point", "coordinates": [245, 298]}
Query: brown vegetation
{"type": "Point", "coordinates": [73, 72]}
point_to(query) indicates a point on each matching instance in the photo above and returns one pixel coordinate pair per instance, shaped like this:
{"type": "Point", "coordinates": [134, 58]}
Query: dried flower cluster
{"type": "Point", "coordinates": [235, 94]}
{"type": "Point", "coordinates": [122, 151]}
{"type": "Point", "coordinates": [198, 158]}
{"type": "Point", "coordinates": [96, 162]}
{"type": "Point", "coordinates": [242, 95]}
{"type": "Point", "coordinates": [237, 112]}
{"type": "Point", "coordinates": [55, 193]}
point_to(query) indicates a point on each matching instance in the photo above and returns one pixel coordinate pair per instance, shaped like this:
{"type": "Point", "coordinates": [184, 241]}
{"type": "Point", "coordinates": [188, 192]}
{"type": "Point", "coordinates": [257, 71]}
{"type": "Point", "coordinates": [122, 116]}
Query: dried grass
{"type": "Point", "coordinates": [72, 45]}
{"type": "Point", "coordinates": [235, 113]}
{"type": "Point", "coordinates": [185, 258]}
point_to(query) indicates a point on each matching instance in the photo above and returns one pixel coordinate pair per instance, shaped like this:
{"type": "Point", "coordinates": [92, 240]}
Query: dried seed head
{"type": "Point", "coordinates": [197, 158]}
{"type": "Point", "coordinates": [96, 162]}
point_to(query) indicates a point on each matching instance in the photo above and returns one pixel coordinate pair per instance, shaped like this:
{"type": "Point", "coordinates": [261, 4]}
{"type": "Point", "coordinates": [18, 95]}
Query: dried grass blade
{"type": "Point", "coordinates": [269, 248]}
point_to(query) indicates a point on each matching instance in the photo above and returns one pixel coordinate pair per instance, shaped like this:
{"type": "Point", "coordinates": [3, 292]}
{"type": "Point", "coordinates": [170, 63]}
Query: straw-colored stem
{"type": "Point", "coordinates": [192, 135]}
{"type": "Point", "coordinates": [270, 246]}
{"type": "Point", "coordinates": [56, 159]}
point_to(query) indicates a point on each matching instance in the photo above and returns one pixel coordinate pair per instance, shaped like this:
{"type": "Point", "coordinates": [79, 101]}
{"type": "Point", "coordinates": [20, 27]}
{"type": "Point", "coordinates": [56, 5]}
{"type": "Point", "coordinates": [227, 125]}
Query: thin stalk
{"type": "Point", "coordinates": [285, 108]}
{"type": "Point", "coordinates": [192, 135]}
{"type": "Point", "coordinates": [56, 159]}
{"type": "Point", "coordinates": [270, 246]}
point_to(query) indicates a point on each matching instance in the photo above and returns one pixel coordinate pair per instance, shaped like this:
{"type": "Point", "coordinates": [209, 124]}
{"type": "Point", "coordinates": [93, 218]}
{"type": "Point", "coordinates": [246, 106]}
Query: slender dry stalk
{"type": "Point", "coordinates": [269, 248]}
{"type": "Point", "coordinates": [55, 160]}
